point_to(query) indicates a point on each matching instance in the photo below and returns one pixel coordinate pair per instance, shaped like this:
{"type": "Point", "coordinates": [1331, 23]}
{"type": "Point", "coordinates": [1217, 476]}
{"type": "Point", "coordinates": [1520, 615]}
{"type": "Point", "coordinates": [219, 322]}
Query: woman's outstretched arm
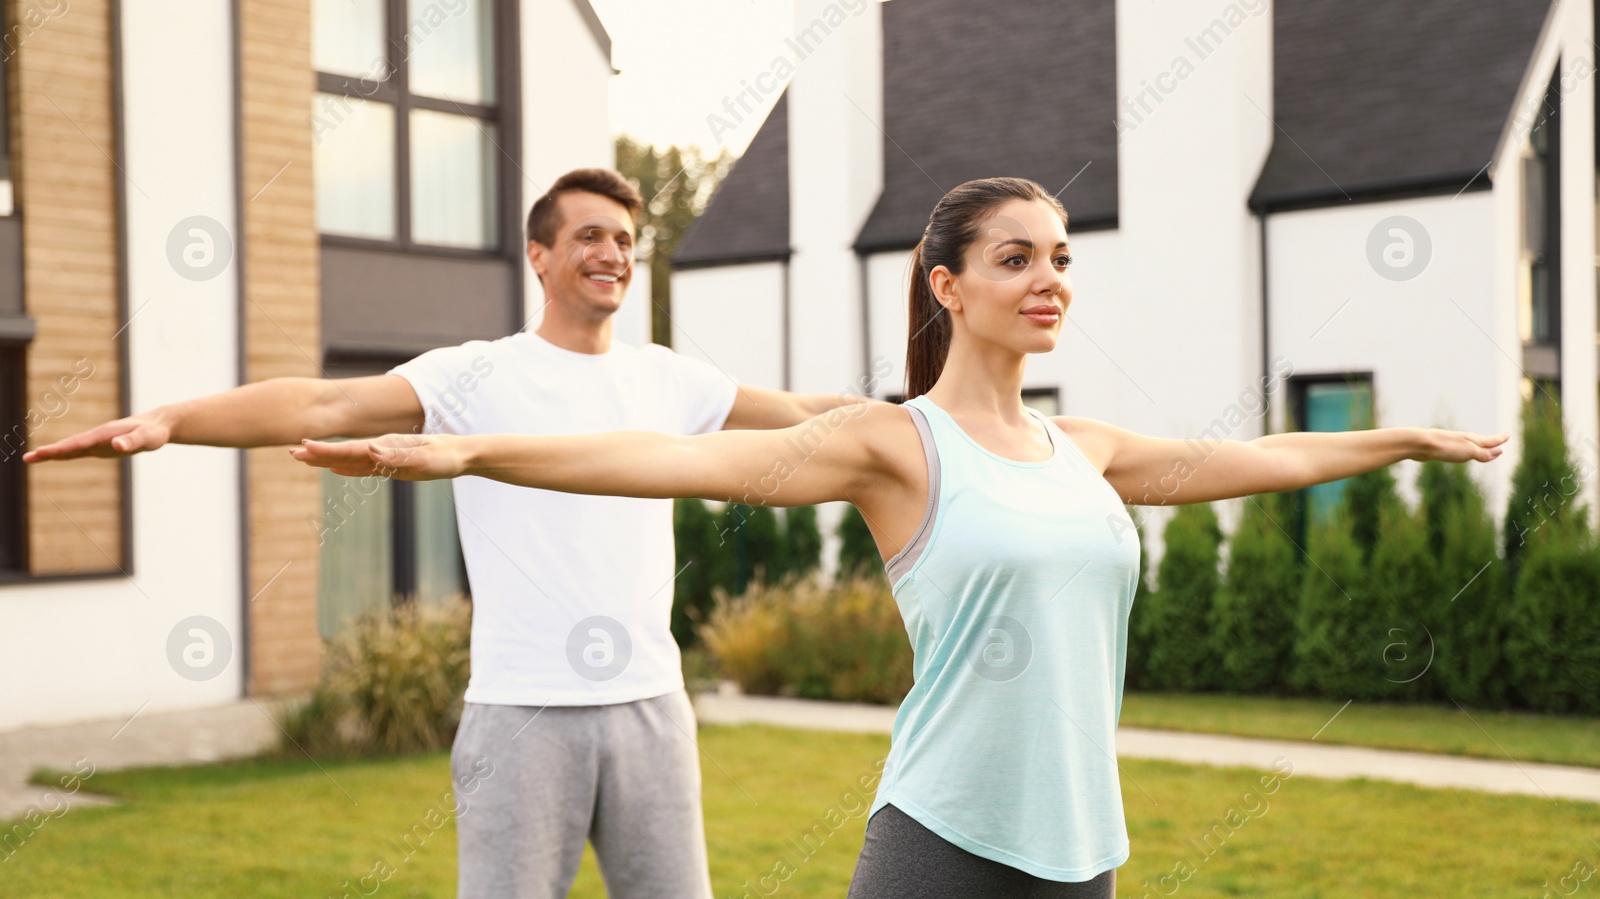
{"type": "Point", "coordinates": [821, 459]}
{"type": "Point", "coordinates": [1153, 471]}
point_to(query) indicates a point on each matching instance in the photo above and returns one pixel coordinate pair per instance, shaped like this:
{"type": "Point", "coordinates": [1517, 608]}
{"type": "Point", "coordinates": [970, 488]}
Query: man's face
{"type": "Point", "coordinates": [591, 262]}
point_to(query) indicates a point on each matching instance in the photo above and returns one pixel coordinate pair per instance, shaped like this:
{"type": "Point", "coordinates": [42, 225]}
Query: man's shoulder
{"type": "Point", "coordinates": [477, 349]}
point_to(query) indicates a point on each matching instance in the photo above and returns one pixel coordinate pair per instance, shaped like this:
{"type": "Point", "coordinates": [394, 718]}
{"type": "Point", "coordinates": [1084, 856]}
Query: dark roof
{"type": "Point", "coordinates": [978, 90]}
{"type": "Point", "coordinates": [748, 217]}
{"type": "Point", "coordinates": [1374, 97]}
{"type": "Point", "coordinates": [1386, 97]}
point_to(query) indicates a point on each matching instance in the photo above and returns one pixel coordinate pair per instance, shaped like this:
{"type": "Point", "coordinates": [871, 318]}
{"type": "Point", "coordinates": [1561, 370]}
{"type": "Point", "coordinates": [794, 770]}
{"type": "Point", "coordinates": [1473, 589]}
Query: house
{"type": "Point", "coordinates": [1279, 212]}
{"type": "Point", "coordinates": [199, 195]}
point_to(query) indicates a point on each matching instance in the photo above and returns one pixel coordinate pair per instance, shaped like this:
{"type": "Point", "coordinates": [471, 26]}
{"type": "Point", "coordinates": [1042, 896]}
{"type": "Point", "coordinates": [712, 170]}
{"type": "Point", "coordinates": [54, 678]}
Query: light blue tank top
{"type": "Point", "coordinates": [1015, 592]}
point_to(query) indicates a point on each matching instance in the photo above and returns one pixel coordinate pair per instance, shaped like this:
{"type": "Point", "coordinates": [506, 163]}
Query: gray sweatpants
{"type": "Point", "coordinates": [544, 780]}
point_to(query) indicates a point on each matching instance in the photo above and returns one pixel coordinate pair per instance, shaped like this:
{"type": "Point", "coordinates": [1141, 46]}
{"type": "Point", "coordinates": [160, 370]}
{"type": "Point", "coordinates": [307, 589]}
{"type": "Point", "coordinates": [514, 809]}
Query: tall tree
{"type": "Point", "coordinates": [676, 183]}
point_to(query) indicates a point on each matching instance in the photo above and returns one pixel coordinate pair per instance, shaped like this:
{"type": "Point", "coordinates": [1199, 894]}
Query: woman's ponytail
{"type": "Point", "coordinates": [930, 331]}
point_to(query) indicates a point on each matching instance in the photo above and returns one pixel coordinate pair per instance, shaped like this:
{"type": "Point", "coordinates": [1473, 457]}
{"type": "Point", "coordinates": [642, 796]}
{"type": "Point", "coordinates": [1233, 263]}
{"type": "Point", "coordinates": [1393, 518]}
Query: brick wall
{"type": "Point", "coordinates": [282, 322]}
{"type": "Point", "coordinates": [64, 145]}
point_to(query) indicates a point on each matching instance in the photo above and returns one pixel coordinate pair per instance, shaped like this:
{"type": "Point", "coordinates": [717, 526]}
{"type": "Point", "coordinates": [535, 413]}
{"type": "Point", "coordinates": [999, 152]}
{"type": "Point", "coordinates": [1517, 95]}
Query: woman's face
{"type": "Point", "coordinates": [1016, 288]}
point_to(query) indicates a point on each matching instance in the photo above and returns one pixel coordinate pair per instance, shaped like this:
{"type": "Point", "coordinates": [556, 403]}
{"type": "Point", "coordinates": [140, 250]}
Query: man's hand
{"type": "Point", "coordinates": [404, 457]}
{"type": "Point", "coordinates": [112, 440]}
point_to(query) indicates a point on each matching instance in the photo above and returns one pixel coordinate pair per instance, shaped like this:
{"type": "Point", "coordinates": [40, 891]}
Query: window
{"type": "Point", "coordinates": [1044, 399]}
{"type": "Point", "coordinates": [1540, 270]}
{"type": "Point", "coordinates": [1330, 403]}
{"type": "Point", "coordinates": [383, 539]}
{"type": "Point", "coordinates": [16, 330]}
{"type": "Point", "coordinates": [13, 477]}
{"type": "Point", "coordinates": [404, 122]}
{"type": "Point", "coordinates": [7, 51]}
{"type": "Point", "coordinates": [1540, 390]}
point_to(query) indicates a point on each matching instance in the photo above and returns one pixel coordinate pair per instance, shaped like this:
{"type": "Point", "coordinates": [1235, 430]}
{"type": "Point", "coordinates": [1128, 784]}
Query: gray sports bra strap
{"type": "Point", "coordinates": [903, 560]}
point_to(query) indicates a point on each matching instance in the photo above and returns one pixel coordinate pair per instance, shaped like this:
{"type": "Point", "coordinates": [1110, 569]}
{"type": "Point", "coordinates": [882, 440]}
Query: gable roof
{"type": "Point", "coordinates": [978, 90]}
{"type": "Point", "coordinates": [1387, 98]}
{"type": "Point", "coordinates": [1376, 98]}
{"type": "Point", "coordinates": [747, 219]}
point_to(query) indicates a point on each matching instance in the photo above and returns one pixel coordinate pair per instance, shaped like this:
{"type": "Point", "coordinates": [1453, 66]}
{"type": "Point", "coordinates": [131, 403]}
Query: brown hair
{"type": "Point", "coordinates": [543, 218]}
{"type": "Point", "coordinates": [952, 228]}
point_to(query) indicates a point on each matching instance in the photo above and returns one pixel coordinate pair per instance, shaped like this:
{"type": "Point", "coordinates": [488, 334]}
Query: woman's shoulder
{"type": "Point", "coordinates": [1097, 440]}
{"type": "Point", "coordinates": [885, 431]}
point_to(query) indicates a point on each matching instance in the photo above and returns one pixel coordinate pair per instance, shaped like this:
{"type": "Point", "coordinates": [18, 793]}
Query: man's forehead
{"type": "Point", "coordinates": [583, 211]}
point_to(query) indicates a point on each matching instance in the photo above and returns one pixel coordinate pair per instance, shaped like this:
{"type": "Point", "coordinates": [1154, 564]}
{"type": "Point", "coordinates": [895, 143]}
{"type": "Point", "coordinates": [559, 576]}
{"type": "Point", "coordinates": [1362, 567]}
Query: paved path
{"type": "Point", "coordinates": [243, 728]}
{"type": "Point", "coordinates": [147, 738]}
{"type": "Point", "coordinates": [1326, 760]}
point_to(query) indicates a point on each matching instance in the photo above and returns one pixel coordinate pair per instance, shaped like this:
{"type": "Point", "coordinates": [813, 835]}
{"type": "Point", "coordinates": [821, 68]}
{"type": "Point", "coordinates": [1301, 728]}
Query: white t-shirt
{"type": "Point", "coordinates": [572, 593]}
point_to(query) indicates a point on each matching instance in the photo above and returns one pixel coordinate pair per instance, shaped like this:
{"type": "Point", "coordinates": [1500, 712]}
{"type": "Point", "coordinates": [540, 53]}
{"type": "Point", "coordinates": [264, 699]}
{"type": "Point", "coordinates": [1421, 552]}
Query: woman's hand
{"type": "Point", "coordinates": [404, 457]}
{"type": "Point", "coordinates": [1460, 446]}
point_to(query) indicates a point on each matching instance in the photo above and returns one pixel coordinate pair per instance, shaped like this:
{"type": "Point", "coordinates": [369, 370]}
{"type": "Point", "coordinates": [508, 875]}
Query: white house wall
{"type": "Point", "coordinates": [1431, 342]}
{"type": "Point", "coordinates": [1190, 149]}
{"type": "Point", "coordinates": [97, 648]}
{"type": "Point", "coordinates": [1194, 94]}
{"type": "Point", "coordinates": [835, 174]}
{"type": "Point", "coordinates": [888, 284]}
{"type": "Point", "coordinates": [631, 323]}
{"type": "Point", "coordinates": [732, 317]}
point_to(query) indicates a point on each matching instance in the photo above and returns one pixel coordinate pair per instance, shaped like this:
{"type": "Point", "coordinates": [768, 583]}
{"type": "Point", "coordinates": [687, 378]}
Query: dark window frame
{"type": "Point", "coordinates": [1297, 384]}
{"type": "Point", "coordinates": [13, 376]}
{"type": "Point", "coordinates": [1052, 392]}
{"type": "Point", "coordinates": [13, 474]}
{"type": "Point", "coordinates": [395, 91]}
{"type": "Point", "coordinates": [7, 53]}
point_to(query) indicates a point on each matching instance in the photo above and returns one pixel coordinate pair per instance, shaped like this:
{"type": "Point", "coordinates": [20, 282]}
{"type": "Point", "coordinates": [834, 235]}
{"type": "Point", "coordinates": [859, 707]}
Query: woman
{"type": "Point", "coordinates": [1009, 550]}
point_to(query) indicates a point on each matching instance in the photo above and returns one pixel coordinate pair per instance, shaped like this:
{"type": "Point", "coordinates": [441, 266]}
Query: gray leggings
{"type": "Point", "coordinates": [904, 860]}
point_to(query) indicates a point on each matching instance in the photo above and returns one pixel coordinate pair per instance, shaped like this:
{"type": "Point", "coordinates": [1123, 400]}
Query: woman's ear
{"type": "Point", "coordinates": [945, 288]}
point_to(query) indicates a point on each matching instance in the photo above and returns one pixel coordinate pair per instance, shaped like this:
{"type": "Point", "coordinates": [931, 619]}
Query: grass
{"type": "Point", "coordinates": [278, 829]}
{"type": "Point", "coordinates": [1524, 736]}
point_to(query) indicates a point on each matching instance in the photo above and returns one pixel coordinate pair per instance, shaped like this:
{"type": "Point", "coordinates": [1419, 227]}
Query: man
{"type": "Point", "coordinates": [576, 696]}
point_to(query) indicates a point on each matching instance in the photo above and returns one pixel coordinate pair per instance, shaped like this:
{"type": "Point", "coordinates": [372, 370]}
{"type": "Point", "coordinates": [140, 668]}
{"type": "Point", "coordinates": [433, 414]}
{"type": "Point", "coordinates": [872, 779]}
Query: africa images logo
{"type": "Point", "coordinates": [599, 648]}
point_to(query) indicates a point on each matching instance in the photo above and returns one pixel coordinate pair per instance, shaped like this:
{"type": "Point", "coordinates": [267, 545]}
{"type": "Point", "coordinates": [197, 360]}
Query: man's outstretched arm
{"type": "Point", "coordinates": [273, 412]}
{"type": "Point", "coordinates": [756, 408]}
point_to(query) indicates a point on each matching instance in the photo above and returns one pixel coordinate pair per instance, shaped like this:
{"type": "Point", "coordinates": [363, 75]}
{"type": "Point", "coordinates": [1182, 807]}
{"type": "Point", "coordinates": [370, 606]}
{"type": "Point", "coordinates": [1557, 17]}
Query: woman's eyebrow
{"type": "Point", "coordinates": [1025, 242]}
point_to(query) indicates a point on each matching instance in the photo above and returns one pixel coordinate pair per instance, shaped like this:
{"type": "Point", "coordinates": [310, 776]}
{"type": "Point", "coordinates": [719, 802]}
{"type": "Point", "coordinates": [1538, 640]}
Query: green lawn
{"type": "Point", "coordinates": [1524, 736]}
{"type": "Point", "coordinates": [272, 829]}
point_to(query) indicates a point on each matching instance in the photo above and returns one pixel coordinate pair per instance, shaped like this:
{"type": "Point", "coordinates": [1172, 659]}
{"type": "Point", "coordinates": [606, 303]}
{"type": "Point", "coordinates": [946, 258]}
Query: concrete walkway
{"type": "Point", "coordinates": [1325, 760]}
{"type": "Point", "coordinates": [193, 736]}
{"type": "Point", "coordinates": [244, 728]}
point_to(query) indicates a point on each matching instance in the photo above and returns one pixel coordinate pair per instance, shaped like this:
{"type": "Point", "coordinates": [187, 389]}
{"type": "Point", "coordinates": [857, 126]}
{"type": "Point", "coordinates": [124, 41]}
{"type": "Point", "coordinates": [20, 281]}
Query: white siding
{"type": "Point", "coordinates": [732, 317]}
{"type": "Point", "coordinates": [835, 177]}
